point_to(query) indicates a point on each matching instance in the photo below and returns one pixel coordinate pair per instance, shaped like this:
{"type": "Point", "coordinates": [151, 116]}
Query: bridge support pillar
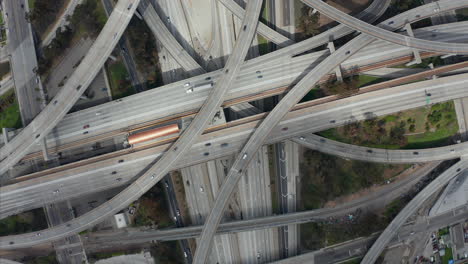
{"type": "Point", "coordinates": [339, 75]}
{"type": "Point", "coordinates": [417, 56]}
{"type": "Point", "coordinates": [5, 131]}
{"type": "Point", "coordinates": [45, 153]}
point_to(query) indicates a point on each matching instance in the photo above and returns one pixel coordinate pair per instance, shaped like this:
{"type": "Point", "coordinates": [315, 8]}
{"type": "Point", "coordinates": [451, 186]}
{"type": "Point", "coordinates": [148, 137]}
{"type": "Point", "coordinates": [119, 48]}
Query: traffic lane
{"type": "Point", "coordinates": [319, 116]}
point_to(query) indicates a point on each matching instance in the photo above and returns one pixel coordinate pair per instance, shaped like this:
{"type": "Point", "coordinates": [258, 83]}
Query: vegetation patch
{"type": "Point", "coordinates": [87, 21]}
{"type": "Point", "coordinates": [152, 209]}
{"type": "Point", "coordinates": [325, 177]}
{"type": "Point", "coordinates": [143, 45]}
{"type": "Point", "coordinates": [24, 222]}
{"type": "Point", "coordinates": [315, 236]}
{"type": "Point", "coordinates": [263, 47]}
{"type": "Point", "coordinates": [307, 24]}
{"type": "Point", "coordinates": [167, 252]}
{"type": "Point", "coordinates": [448, 256]}
{"type": "Point", "coordinates": [50, 259]}
{"type": "Point", "coordinates": [462, 14]}
{"type": "Point", "coordinates": [43, 14]}
{"type": "Point", "coordinates": [119, 79]}
{"type": "Point", "coordinates": [422, 127]}
{"type": "Point", "coordinates": [10, 116]}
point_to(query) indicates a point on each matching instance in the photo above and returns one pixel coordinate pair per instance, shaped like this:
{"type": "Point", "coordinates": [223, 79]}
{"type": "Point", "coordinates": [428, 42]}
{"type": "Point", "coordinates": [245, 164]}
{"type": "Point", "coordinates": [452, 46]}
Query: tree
{"type": "Point", "coordinates": [308, 22]}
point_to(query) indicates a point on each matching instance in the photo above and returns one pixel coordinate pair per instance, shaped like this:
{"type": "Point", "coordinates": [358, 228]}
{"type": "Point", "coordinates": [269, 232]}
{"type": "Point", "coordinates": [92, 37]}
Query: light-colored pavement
{"type": "Point", "coordinates": [273, 118]}
{"type": "Point", "coordinates": [384, 32]}
{"type": "Point", "coordinates": [173, 101]}
{"type": "Point", "coordinates": [93, 175]}
{"type": "Point", "coordinates": [392, 229]}
{"type": "Point", "coordinates": [263, 29]}
{"type": "Point", "coordinates": [6, 84]}
{"type": "Point", "coordinates": [349, 151]}
{"type": "Point", "coordinates": [161, 168]}
{"type": "Point", "coordinates": [358, 247]}
{"type": "Point", "coordinates": [60, 21]}
{"type": "Point", "coordinates": [12, 152]}
{"type": "Point", "coordinates": [23, 61]}
{"type": "Point", "coordinates": [166, 38]}
{"type": "Point", "coordinates": [376, 199]}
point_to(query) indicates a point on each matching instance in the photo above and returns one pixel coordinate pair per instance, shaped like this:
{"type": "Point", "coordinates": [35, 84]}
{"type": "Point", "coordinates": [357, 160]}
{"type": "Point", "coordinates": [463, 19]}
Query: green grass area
{"type": "Point", "coordinates": [462, 14]}
{"type": "Point", "coordinates": [31, 4]}
{"type": "Point", "coordinates": [325, 177]}
{"type": "Point", "coordinates": [119, 80]}
{"type": "Point", "coordinates": [419, 128]}
{"type": "Point", "coordinates": [22, 223]}
{"type": "Point", "coordinates": [444, 231]}
{"type": "Point", "coordinates": [1, 19]}
{"type": "Point", "coordinates": [448, 256]}
{"type": "Point", "coordinates": [9, 111]}
{"type": "Point", "coordinates": [393, 208]}
{"type": "Point", "coordinates": [365, 80]}
{"type": "Point", "coordinates": [436, 61]}
{"type": "Point", "coordinates": [264, 17]}
{"type": "Point", "coordinates": [263, 45]}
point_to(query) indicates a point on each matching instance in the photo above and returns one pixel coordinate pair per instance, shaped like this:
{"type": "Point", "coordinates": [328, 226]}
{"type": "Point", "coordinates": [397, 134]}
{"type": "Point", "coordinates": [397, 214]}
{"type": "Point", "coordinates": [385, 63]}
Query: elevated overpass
{"type": "Point", "coordinates": [98, 174]}
{"type": "Point", "coordinates": [78, 82]}
{"type": "Point", "coordinates": [275, 116]}
{"type": "Point", "coordinates": [384, 31]}
{"type": "Point", "coordinates": [161, 167]}
{"type": "Point", "coordinates": [127, 113]}
{"type": "Point", "coordinates": [392, 229]}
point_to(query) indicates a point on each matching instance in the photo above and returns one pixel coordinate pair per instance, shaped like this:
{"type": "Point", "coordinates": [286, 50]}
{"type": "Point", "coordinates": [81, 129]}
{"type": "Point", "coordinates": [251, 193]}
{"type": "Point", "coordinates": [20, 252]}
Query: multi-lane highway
{"type": "Point", "coordinates": [382, 196]}
{"type": "Point", "coordinates": [78, 82]}
{"type": "Point", "coordinates": [332, 116]}
{"type": "Point", "coordinates": [23, 60]}
{"type": "Point", "coordinates": [384, 31]}
{"type": "Point", "coordinates": [275, 116]}
{"type": "Point", "coordinates": [263, 29]}
{"type": "Point", "coordinates": [392, 229]}
{"type": "Point", "coordinates": [349, 151]}
{"type": "Point", "coordinates": [172, 99]}
{"type": "Point", "coordinates": [98, 173]}
{"type": "Point", "coordinates": [162, 166]}
{"type": "Point", "coordinates": [163, 35]}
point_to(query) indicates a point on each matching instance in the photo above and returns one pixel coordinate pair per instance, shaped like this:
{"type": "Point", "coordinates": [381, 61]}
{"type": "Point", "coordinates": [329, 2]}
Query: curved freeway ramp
{"type": "Point", "coordinates": [262, 29]}
{"type": "Point", "coordinates": [349, 151]}
{"type": "Point", "coordinates": [159, 169]}
{"type": "Point", "coordinates": [379, 245]}
{"type": "Point", "coordinates": [384, 34]}
{"type": "Point", "coordinates": [96, 174]}
{"type": "Point", "coordinates": [78, 82]}
{"type": "Point", "coordinates": [275, 116]}
{"type": "Point", "coordinates": [166, 38]}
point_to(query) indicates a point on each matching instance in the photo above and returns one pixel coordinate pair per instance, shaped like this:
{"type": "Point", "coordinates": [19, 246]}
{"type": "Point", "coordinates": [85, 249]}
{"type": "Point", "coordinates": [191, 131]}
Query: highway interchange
{"type": "Point", "coordinates": [256, 132]}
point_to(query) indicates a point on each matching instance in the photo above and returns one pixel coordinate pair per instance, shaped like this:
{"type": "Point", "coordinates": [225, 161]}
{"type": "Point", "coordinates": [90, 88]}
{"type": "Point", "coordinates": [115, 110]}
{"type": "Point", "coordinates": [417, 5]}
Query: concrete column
{"type": "Point", "coordinates": [5, 131]}
{"type": "Point", "coordinates": [417, 56]}
{"type": "Point", "coordinates": [45, 153]}
{"type": "Point", "coordinates": [339, 75]}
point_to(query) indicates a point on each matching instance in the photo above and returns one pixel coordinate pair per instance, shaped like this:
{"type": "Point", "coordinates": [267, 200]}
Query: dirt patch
{"type": "Point", "coordinates": [348, 6]}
